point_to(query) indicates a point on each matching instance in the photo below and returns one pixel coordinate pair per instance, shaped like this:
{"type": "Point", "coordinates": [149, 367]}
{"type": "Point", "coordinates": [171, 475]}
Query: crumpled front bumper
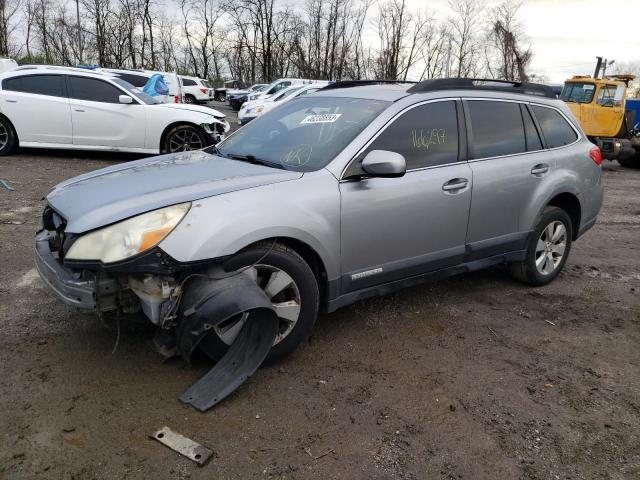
{"type": "Point", "coordinates": [72, 288]}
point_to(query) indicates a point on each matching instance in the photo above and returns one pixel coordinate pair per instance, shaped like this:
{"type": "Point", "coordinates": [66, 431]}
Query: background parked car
{"type": "Point", "coordinates": [277, 85]}
{"type": "Point", "coordinates": [237, 97]}
{"type": "Point", "coordinates": [220, 93]}
{"type": "Point", "coordinates": [80, 109]}
{"type": "Point", "coordinates": [254, 109]}
{"type": "Point", "coordinates": [196, 90]}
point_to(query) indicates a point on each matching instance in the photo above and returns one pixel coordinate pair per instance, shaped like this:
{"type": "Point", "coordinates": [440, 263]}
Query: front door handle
{"type": "Point", "coordinates": [455, 184]}
{"type": "Point", "coordinates": [540, 169]}
{"type": "Point", "coordinates": [78, 110]}
{"type": "Point", "coordinates": [8, 100]}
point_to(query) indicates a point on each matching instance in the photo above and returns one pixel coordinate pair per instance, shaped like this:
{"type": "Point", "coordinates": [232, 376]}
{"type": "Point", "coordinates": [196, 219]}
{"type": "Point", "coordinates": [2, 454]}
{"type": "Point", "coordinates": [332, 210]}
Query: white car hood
{"type": "Point", "coordinates": [192, 108]}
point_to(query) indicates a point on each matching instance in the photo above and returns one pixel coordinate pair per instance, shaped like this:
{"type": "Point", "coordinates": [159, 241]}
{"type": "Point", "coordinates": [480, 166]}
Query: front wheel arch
{"type": "Point", "coordinates": [173, 125]}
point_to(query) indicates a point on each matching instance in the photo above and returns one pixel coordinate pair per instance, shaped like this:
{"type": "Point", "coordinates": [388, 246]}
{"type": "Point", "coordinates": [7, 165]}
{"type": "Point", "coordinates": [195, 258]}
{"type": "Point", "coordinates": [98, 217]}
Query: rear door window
{"type": "Point", "coordinates": [51, 85]}
{"type": "Point", "coordinates": [496, 128]}
{"type": "Point", "coordinates": [426, 135]}
{"type": "Point", "coordinates": [188, 83]}
{"type": "Point", "coordinates": [94, 90]}
{"type": "Point", "coordinates": [556, 130]}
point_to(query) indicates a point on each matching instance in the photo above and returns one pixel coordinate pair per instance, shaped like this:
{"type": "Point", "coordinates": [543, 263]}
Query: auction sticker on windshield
{"type": "Point", "coordinates": [323, 118]}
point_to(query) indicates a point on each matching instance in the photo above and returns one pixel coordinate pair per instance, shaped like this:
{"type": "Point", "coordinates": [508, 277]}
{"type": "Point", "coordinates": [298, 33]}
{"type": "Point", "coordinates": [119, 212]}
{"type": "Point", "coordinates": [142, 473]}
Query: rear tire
{"type": "Point", "coordinates": [8, 137]}
{"type": "Point", "coordinates": [304, 290]}
{"type": "Point", "coordinates": [188, 98]}
{"type": "Point", "coordinates": [633, 162]}
{"type": "Point", "coordinates": [547, 249]}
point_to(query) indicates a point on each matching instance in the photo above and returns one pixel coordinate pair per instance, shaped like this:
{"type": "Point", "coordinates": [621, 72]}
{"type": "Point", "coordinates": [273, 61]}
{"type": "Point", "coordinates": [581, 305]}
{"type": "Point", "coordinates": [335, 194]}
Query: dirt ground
{"type": "Point", "coordinates": [476, 377]}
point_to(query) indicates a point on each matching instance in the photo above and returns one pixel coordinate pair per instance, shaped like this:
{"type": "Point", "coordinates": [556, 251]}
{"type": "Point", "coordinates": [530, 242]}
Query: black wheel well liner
{"type": "Point", "coordinates": [163, 137]}
{"type": "Point", "coordinates": [570, 204]}
{"type": "Point", "coordinates": [310, 256]}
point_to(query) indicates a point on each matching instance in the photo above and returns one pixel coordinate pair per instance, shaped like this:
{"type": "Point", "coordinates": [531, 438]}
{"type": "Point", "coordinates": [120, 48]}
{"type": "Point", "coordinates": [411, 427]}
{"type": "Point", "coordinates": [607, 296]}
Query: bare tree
{"type": "Point", "coordinates": [401, 35]}
{"type": "Point", "coordinates": [464, 27]}
{"type": "Point", "coordinates": [9, 11]}
{"type": "Point", "coordinates": [506, 57]}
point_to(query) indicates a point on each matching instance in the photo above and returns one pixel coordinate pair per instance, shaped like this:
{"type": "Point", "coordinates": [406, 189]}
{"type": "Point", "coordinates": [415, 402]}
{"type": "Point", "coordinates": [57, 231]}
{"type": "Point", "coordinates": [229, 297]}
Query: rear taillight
{"type": "Point", "coordinates": [204, 90]}
{"type": "Point", "coordinates": [176, 99]}
{"type": "Point", "coordinates": [596, 155]}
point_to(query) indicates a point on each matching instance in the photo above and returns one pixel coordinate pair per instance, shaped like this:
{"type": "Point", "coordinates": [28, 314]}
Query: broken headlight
{"type": "Point", "coordinates": [129, 237]}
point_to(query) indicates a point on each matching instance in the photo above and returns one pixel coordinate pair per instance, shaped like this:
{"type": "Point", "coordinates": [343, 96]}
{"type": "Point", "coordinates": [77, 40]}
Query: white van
{"type": "Point", "coordinates": [7, 64]}
{"type": "Point", "coordinates": [139, 78]}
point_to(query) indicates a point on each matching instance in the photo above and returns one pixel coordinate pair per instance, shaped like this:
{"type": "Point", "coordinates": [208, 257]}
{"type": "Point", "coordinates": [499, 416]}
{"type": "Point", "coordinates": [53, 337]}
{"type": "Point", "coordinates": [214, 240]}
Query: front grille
{"type": "Point", "coordinates": [217, 127]}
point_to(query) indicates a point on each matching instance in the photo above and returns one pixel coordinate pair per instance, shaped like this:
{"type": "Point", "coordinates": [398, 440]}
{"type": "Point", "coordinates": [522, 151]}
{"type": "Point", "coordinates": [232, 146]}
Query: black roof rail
{"type": "Point", "coordinates": [483, 84]}
{"type": "Point", "coordinates": [361, 83]}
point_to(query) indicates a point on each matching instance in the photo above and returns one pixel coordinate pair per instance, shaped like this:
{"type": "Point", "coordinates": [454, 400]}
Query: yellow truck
{"type": "Point", "coordinates": [599, 106]}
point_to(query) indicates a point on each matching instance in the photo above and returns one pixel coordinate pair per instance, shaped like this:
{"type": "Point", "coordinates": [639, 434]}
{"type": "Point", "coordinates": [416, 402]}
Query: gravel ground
{"type": "Point", "coordinates": [474, 377]}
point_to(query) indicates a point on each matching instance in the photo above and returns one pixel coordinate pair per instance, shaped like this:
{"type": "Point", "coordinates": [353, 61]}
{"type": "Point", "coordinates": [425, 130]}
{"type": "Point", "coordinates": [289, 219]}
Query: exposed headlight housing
{"type": "Point", "coordinates": [129, 237]}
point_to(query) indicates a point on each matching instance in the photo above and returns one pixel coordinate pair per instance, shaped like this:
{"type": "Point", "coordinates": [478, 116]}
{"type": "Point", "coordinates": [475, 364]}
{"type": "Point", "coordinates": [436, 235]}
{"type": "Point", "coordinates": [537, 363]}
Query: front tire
{"type": "Point", "coordinates": [633, 162]}
{"type": "Point", "coordinates": [182, 138]}
{"type": "Point", "coordinates": [8, 137]}
{"type": "Point", "coordinates": [190, 99]}
{"type": "Point", "coordinates": [547, 249]}
{"type": "Point", "coordinates": [291, 286]}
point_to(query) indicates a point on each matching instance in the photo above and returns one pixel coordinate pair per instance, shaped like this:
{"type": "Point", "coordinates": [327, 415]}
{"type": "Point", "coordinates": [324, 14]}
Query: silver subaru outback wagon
{"type": "Point", "coordinates": [354, 191]}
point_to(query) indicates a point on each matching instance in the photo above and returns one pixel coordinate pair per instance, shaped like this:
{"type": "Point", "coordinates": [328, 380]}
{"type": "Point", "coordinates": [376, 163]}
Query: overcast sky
{"type": "Point", "coordinates": [567, 35]}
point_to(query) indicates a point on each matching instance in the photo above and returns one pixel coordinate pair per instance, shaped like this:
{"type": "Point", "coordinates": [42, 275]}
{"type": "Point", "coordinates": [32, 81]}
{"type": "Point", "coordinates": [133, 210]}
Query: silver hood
{"type": "Point", "coordinates": [114, 193]}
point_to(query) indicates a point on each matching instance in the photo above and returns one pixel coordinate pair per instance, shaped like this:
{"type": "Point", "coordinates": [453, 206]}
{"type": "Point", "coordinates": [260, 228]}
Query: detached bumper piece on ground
{"type": "Point", "coordinates": [208, 303]}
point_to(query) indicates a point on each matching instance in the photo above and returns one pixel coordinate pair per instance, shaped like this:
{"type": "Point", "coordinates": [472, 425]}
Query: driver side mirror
{"type": "Point", "coordinates": [125, 99]}
{"type": "Point", "coordinates": [383, 163]}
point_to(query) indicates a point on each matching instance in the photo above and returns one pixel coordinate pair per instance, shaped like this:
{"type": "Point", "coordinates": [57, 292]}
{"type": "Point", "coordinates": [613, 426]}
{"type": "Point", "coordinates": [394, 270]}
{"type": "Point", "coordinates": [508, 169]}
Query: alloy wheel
{"type": "Point", "coordinates": [4, 136]}
{"type": "Point", "coordinates": [285, 298]}
{"type": "Point", "coordinates": [185, 139]}
{"type": "Point", "coordinates": [550, 247]}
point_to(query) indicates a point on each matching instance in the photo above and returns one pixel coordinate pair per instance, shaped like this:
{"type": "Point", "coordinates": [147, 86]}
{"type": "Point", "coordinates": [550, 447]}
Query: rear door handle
{"type": "Point", "coordinates": [540, 169]}
{"type": "Point", "coordinates": [455, 184]}
{"type": "Point", "coordinates": [11, 101]}
{"type": "Point", "coordinates": [78, 110]}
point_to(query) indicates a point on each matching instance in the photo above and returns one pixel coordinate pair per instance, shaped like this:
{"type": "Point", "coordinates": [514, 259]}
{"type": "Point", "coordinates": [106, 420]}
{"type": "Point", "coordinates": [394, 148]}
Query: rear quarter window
{"type": "Point", "coordinates": [555, 128]}
{"type": "Point", "coordinates": [37, 84]}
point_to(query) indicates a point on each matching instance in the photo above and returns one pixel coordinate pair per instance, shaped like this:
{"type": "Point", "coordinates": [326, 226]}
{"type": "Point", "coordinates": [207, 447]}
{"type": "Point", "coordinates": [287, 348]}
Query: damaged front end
{"type": "Point", "coordinates": [185, 301]}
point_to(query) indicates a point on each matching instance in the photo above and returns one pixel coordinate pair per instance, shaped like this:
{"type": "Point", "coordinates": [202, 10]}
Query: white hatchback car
{"type": "Point", "coordinates": [77, 109]}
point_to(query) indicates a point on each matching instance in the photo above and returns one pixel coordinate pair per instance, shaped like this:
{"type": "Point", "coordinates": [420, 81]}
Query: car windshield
{"type": "Point", "coordinates": [137, 92]}
{"type": "Point", "coordinates": [578, 92]}
{"type": "Point", "coordinates": [304, 134]}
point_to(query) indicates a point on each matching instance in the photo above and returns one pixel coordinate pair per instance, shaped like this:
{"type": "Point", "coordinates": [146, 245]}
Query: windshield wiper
{"type": "Point", "coordinates": [255, 160]}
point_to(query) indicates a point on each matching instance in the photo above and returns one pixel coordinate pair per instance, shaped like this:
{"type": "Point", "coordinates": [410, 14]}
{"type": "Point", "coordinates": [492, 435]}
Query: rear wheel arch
{"type": "Point", "coordinates": [570, 204]}
{"type": "Point", "coordinates": [10, 123]}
